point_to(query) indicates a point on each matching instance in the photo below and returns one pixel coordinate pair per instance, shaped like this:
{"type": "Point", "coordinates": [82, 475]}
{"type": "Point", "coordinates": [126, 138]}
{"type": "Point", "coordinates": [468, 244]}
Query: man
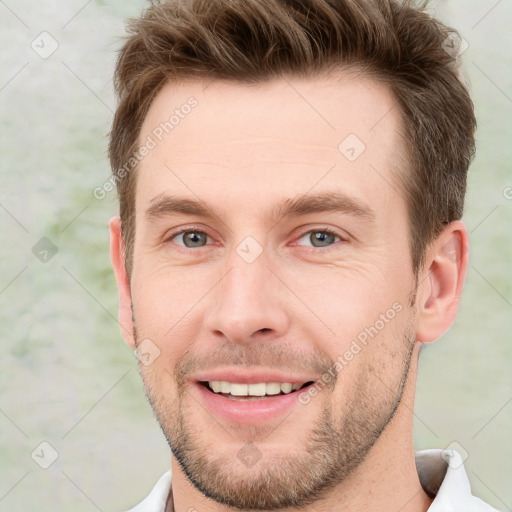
{"type": "Point", "coordinates": [291, 179]}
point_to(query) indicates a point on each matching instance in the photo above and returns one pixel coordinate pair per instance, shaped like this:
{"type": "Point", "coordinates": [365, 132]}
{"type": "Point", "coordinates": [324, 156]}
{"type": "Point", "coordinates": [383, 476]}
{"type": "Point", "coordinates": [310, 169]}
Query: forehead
{"type": "Point", "coordinates": [280, 137]}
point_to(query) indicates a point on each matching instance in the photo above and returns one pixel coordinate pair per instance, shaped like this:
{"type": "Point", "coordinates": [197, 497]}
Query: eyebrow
{"type": "Point", "coordinates": [338, 202]}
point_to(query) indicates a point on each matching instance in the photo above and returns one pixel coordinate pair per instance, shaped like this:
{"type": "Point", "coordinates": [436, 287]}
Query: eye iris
{"type": "Point", "coordinates": [194, 237]}
{"type": "Point", "coordinates": [323, 237]}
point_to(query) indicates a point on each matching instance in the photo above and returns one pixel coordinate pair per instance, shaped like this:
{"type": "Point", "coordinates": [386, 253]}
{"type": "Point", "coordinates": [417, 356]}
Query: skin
{"type": "Point", "coordinates": [297, 307]}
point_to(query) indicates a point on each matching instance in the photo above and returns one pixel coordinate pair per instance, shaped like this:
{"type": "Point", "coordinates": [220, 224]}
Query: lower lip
{"type": "Point", "coordinates": [248, 412]}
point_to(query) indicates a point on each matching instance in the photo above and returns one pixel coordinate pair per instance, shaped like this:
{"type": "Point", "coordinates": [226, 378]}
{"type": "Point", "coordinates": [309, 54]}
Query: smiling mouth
{"type": "Point", "coordinates": [248, 392]}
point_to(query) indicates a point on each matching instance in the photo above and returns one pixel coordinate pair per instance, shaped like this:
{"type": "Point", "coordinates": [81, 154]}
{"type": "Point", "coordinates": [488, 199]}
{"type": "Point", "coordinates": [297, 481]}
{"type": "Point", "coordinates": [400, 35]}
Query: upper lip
{"type": "Point", "coordinates": [245, 376]}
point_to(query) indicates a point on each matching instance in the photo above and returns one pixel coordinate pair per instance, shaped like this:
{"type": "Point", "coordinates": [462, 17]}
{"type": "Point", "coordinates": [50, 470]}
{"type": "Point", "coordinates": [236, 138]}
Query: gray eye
{"type": "Point", "coordinates": [320, 238]}
{"type": "Point", "coordinates": [193, 239]}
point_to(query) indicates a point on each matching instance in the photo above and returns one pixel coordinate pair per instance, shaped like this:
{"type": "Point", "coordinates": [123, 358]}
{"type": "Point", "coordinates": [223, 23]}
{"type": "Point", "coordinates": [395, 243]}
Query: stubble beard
{"type": "Point", "coordinates": [333, 450]}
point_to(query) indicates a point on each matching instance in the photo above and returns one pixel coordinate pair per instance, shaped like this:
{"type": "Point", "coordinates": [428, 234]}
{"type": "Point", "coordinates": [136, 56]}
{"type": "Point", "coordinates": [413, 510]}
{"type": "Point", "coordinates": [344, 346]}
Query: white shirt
{"type": "Point", "coordinates": [440, 472]}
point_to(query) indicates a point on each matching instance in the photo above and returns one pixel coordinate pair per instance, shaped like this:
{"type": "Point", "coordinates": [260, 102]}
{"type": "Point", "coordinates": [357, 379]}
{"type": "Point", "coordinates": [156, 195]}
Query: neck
{"type": "Point", "coordinates": [386, 480]}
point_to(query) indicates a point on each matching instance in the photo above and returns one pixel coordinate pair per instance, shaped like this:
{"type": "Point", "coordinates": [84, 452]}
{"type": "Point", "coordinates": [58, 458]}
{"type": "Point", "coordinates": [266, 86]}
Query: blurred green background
{"type": "Point", "coordinates": [66, 376]}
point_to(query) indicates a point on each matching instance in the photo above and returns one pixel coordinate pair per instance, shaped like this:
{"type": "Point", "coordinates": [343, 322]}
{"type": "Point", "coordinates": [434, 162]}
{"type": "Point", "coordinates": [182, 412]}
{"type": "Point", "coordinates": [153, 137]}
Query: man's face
{"type": "Point", "coordinates": [249, 295]}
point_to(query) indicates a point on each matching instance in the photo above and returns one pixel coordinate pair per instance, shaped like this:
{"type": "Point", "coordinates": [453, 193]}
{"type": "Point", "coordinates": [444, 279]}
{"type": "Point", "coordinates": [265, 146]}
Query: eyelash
{"type": "Point", "coordinates": [312, 249]}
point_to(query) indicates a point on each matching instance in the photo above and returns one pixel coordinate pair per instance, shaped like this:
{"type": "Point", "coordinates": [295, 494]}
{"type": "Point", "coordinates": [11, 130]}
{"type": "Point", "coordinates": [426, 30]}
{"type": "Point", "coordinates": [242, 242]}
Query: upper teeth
{"type": "Point", "coordinates": [261, 389]}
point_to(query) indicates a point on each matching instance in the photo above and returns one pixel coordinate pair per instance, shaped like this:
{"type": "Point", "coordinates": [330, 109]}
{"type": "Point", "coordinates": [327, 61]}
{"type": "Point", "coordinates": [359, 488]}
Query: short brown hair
{"type": "Point", "coordinates": [250, 41]}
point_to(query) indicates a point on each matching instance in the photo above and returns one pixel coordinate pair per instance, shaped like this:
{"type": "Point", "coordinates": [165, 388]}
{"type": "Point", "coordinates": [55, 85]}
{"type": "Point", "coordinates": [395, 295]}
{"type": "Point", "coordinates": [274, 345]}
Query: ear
{"type": "Point", "coordinates": [123, 285]}
{"type": "Point", "coordinates": [442, 281]}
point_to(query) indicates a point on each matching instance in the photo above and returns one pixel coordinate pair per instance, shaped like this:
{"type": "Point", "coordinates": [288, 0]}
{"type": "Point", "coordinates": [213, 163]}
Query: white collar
{"type": "Point", "coordinates": [442, 472]}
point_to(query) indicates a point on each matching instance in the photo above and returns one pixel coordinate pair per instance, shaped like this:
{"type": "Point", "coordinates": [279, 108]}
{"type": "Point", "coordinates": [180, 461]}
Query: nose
{"type": "Point", "coordinates": [248, 304]}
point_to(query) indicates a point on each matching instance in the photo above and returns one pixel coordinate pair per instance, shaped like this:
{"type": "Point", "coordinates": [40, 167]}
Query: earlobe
{"type": "Point", "coordinates": [123, 285]}
{"type": "Point", "coordinates": [442, 282]}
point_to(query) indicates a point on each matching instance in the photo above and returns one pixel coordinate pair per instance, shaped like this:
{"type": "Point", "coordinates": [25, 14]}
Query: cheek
{"type": "Point", "coordinates": [371, 369]}
{"type": "Point", "coordinates": [163, 296]}
{"type": "Point", "coordinates": [342, 300]}
{"type": "Point", "coordinates": [358, 319]}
